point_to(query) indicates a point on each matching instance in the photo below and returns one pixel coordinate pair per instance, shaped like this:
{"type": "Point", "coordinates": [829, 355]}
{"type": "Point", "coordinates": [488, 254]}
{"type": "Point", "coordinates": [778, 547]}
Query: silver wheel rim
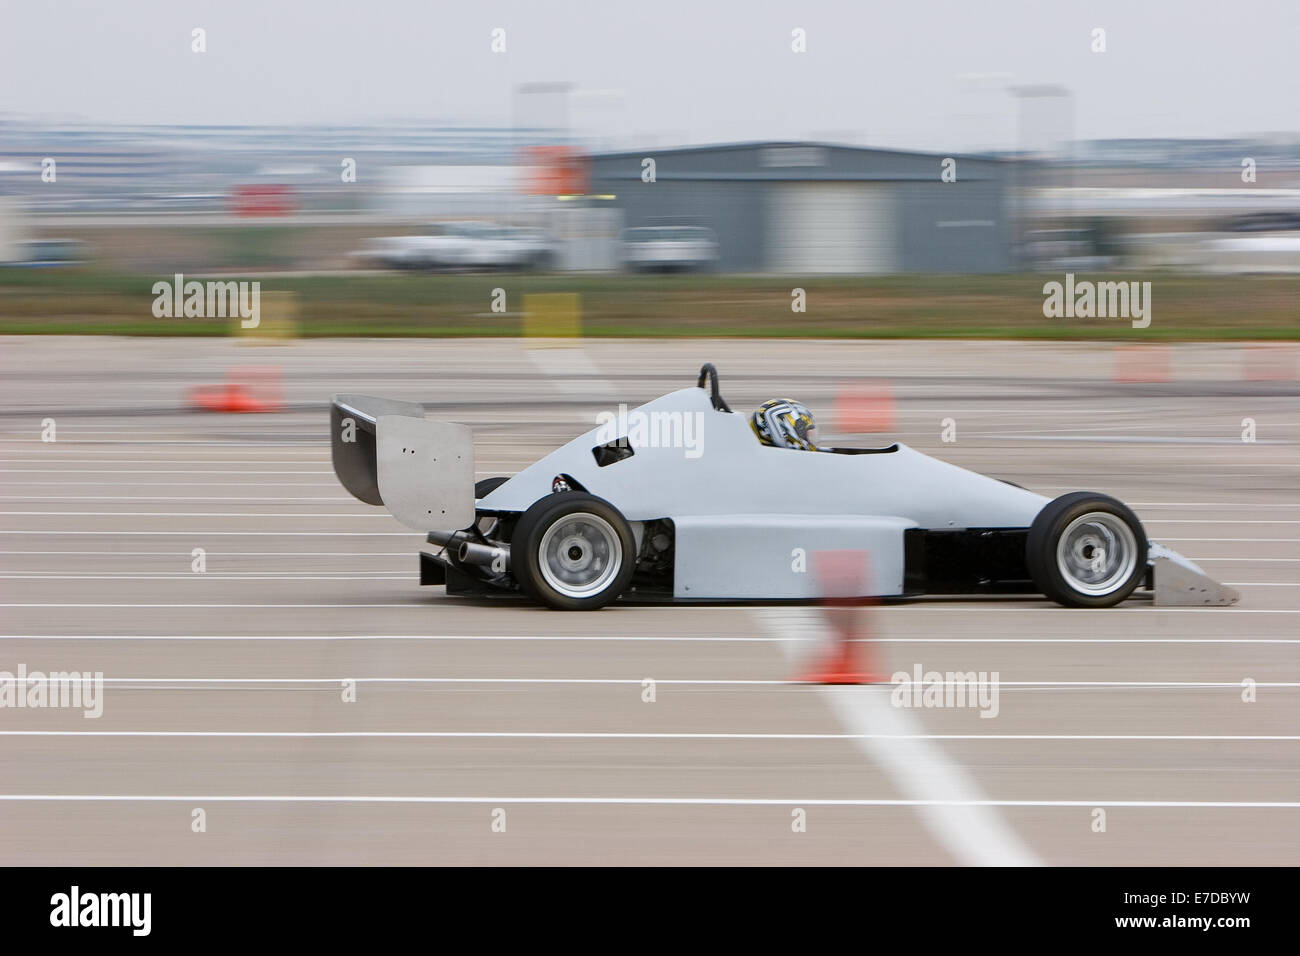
{"type": "Point", "coordinates": [1096, 553]}
{"type": "Point", "coordinates": [580, 554]}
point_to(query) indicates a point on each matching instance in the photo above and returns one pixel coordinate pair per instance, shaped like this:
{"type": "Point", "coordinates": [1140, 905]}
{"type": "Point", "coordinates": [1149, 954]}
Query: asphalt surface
{"type": "Point", "coordinates": [225, 690]}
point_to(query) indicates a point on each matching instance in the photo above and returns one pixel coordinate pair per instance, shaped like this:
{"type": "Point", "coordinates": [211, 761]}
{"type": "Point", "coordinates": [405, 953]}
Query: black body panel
{"type": "Point", "coordinates": [354, 461]}
{"type": "Point", "coordinates": [966, 561]}
{"type": "Point", "coordinates": [433, 570]}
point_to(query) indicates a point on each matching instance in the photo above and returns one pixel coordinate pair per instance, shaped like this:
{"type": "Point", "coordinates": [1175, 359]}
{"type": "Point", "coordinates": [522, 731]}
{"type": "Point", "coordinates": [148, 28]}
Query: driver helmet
{"type": "Point", "coordinates": [783, 423]}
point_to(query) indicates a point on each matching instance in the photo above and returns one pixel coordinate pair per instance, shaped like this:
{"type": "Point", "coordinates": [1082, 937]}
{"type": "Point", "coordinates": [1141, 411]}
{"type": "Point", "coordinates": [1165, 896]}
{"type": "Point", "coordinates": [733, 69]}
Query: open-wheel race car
{"type": "Point", "coordinates": [679, 500]}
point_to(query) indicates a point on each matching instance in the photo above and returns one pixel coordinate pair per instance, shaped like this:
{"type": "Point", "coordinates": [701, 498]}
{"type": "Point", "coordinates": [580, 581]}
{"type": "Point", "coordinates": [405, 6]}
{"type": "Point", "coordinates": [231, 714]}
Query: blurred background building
{"type": "Point", "coordinates": [538, 195]}
{"type": "Point", "coordinates": [797, 208]}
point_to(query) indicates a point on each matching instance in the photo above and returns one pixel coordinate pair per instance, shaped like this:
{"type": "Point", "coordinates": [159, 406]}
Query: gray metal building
{"type": "Point", "coordinates": [800, 208]}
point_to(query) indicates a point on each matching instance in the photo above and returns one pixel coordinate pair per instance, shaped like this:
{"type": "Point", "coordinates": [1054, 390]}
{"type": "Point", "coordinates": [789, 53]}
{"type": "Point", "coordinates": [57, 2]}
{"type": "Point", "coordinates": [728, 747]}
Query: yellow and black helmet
{"type": "Point", "coordinates": [784, 424]}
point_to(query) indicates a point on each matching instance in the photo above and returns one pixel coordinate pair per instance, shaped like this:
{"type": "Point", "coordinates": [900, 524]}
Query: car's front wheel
{"type": "Point", "coordinates": [573, 551]}
{"type": "Point", "coordinates": [1086, 550]}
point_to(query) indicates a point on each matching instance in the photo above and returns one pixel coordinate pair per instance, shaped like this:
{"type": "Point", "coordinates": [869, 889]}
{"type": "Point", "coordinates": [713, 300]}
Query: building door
{"type": "Point", "coordinates": [844, 228]}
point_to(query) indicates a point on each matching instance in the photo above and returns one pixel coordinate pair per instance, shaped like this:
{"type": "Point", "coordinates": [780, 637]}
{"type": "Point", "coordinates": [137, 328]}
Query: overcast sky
{"type": "Point", "coordinates": [927, 75]}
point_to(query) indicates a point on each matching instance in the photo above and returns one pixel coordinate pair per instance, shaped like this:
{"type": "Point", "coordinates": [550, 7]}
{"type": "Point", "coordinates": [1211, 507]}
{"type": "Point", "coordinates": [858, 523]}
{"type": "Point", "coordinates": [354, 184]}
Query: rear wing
{"type": "Point", "coordinates": [385, 452]}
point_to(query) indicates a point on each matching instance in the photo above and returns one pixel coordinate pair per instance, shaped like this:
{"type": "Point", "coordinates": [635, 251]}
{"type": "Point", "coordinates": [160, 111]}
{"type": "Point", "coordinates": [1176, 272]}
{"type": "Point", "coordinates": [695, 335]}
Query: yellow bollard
{"type": "Point", "coordinates": [553, 315]}
{"type": "Point", "coordinates": [277, 321]}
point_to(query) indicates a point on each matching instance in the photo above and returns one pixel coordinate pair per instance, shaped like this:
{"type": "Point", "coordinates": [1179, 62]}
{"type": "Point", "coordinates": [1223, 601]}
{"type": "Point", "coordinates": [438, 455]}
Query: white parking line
{"type": "Point", "coordinates": [269, 534]}
{"type": "Point", "coordinates": [340, 498]}
{"type": "Point", "coordinates": [205, 575]}
{"type": "Point", "coordinates": [233, 554]}
{"type": "Point", "coordinates": [272, 575]}
{"type": "Point", "coordinates": [748, 639]}
{"type": "Point", "coordinates": [1031, 606]}
{"type": "Point", "coordinates": [634, 735]}
{"type": "Point", "coordinates": [911, 608]}
{"type": "Point", "coordinates": [1143, 685]}
{"type": "Point", "coordinates": [1262, 584]}
{"type": "Point", "coordinates": [616, 638]}
{"type": "Point", "coordinates": [641, 801]}
{"type": "Point", "coordinates": [1222, 521]}
{"type": "Point", "coordinates": [1259, 560]}
{"type": "Point", "coordinates": [176, 441]}
{"type": "Point", "coordinates": [559, 363]}
{"type": "Point", "coordinates": [1238, 540]}
{"type": "Point", "coordinates": [57, 576]}
{"type": "Point", "coordinates": [705, 682]}
{"type": "Point", "coordinates": [1213, 504]}
{"type": "Point", "coordinates": [398, 604]}
{"type": "Point", "coordinates": [101, 460]}
{"type": "Point", "coordinates": [1133, 439]}
{"type": "Point", "coordinates": [166, 471]}
{"type": "Point", "coordinates": [238, 480]}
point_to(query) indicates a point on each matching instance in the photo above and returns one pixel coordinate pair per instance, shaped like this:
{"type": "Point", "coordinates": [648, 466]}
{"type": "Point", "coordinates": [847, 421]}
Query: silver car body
{"type": "Point", "coordinates": [743, 513]}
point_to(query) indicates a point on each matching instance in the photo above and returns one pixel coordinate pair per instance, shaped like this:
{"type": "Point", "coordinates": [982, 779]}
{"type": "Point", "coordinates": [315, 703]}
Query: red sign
{"type": "Point", "coordinates": [557, 171]}
{"type": "Point", "coordinates": [263, 199]}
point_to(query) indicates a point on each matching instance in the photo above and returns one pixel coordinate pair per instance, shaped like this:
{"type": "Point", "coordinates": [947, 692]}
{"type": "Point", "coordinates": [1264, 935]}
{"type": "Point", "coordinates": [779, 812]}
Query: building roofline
{"type": "Point", "coordinates": [778, 143]}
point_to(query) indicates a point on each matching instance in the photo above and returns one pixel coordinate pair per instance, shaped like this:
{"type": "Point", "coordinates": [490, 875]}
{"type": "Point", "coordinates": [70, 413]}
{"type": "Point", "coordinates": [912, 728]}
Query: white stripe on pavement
{"type": "Point", "coordinates": [669, 638]}
{"type": "Point", "coordinates": [633, 735]}
{"type": "Point", "coordinates": [972, 834]}
{"type": "Point", "coordinates": [641, 801]}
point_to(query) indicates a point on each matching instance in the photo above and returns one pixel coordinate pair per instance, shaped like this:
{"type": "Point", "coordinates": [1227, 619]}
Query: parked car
{"type": "Point", "coordinates": [463, 245]}
{"type": "Point", "coordinates": [669, 248]}
{"type": "Point", "coordinates": [39, 253]}
{"type": "Point", "coordinates": [1263, 222]}
{"type": "Point", "coordinates": [391, 252]}
{"type": "Point", "coordinates": [485, 245]}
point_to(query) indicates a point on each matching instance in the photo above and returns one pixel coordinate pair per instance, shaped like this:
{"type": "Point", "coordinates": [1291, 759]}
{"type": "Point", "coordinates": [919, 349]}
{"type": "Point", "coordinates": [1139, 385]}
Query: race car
{"type": "Point", "coordinates": [678, 500]}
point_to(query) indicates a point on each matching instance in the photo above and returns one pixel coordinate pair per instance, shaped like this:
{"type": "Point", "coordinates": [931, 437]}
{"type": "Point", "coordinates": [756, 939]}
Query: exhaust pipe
{"type": "Point", "coordinates": [495, 554]}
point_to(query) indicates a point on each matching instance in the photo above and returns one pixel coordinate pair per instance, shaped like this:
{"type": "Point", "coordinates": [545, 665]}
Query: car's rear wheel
{"type": "Point", "coordinates": [1086, 550]}
{"type": "Point", "coordinates": [573, 551]}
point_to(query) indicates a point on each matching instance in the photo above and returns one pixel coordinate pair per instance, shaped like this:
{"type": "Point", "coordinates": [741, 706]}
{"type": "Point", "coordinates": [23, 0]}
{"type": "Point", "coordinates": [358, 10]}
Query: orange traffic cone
{"type": "Point", "coordinates": [1269, 363]}
{"type": "Point", "coordinates": [864, 408]}
{"type": "Point", "coordinates": [1142, 363]}
{"type": "Point", "coordinates": [844, 579]}
{"type": "Point", "coordinates": [246, 390]}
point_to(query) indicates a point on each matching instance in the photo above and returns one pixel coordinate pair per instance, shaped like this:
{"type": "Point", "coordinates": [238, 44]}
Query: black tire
{"type": "Point", "coordinates": [485, 486]}
{"type": "Point", "coordinates": [1060, 568]}
{"type": "Point", "coordinates": [585, 577]}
